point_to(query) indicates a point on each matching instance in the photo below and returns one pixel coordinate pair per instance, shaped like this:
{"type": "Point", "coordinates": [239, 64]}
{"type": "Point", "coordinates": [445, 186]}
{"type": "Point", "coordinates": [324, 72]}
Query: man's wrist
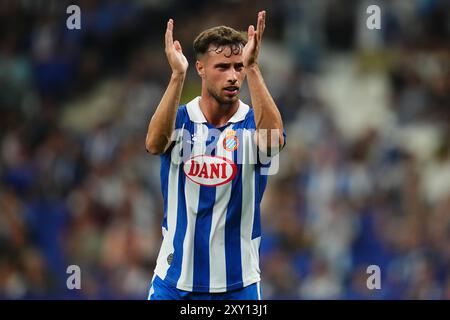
{"type": "Point", "coordinates": [178, 75]}
{"type": "Point", "coordinates": [252, 68]}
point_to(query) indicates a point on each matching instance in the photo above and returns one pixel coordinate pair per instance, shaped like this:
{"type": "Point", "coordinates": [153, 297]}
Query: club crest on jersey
{"type": "Point", "coordinates": [231, 142]}
{"type": "Point", "coordinates": [210, 171]}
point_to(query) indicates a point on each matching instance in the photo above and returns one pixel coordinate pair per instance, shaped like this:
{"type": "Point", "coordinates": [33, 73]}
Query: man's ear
{"type": "Point", "coordinates": [200, 68]}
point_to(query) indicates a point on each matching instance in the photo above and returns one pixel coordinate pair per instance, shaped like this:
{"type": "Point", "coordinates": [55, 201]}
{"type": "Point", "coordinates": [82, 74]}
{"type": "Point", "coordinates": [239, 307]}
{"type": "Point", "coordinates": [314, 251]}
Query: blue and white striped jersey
{"type": "Point", "coordinates": [212, 182]}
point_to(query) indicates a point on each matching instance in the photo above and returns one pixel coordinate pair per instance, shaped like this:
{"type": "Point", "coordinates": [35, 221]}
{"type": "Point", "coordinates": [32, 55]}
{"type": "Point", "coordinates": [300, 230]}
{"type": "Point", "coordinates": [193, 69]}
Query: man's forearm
{"type": "Point", "coordinates": [162, 123]}
{"type": "Point", "coordinates": [267, 115]}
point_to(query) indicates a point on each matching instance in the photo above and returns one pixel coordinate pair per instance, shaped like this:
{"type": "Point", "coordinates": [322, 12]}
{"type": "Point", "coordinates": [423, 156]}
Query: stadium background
{"type": "Point", "coordinates": [364, 178]}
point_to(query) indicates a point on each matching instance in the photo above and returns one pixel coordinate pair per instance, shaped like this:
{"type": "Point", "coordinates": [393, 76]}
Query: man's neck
{"type": "Point", "coordinates": [215, 113]}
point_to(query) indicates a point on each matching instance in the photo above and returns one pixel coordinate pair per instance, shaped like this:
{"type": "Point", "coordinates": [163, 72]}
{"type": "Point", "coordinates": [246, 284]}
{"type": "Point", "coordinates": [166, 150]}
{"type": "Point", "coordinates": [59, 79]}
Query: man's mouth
{"type": "Point", "coordinates": [232, 90]}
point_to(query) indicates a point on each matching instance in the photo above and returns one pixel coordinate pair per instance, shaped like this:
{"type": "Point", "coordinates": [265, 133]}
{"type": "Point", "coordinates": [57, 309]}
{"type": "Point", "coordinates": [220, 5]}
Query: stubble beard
{"type": "Point", "coordinates": [226, 103]}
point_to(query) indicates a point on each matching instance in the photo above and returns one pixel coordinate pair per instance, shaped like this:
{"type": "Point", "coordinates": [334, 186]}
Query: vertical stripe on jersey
{"type": "Point", "coordinates": [171, 219]}
{"type": "Point", "coordinates": [187, 266]}
{"type": "Point", "coordinates": [201, 239]}
{"type": "Point", "coordinates": [258, 288]}
{"type": "Point", "coordinates": [255, 246]}
{"type": "Point", "coordinates": [164, 176]}
{"type": "Point", "coordinates": [217, 264]}
{"type": "Point", "coordinates": [173, 274]}
{"type": "Point", "coordinates": [203, 213]}
{"type": "Point", "coordinates": [177, 195]}
{"type": "Point", "coordinates": [259, 188]}
{"type": "Point", "coordinates": [248, 211]}
{"type": "Point", "coordinates": [233, 232]}
{"type": "Point", "coordinates": [192, 192]}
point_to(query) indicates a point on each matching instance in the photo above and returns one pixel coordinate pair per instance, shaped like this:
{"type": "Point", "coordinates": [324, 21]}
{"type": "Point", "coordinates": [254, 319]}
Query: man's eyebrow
{"type": "Point", "coordinates": [222, 65]}
{"type": "Point", "coordinates": [227, 65]}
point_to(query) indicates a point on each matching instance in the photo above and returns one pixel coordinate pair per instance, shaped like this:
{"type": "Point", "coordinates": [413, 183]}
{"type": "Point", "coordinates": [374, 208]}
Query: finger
{"type": "Point", "coordinates": [169, 36]}
{"type": "Point", "coordinates": [261, 23]}
{"type": "Point", "coordinates": [251, 32]}
{"type": "Point", "coordinates": [256, 40]}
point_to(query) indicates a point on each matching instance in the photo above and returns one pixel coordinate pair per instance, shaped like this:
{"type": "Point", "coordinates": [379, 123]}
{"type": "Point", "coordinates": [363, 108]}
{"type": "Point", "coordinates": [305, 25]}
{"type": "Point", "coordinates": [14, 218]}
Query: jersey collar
{"type": "Point", "coordinates": [196, 115]}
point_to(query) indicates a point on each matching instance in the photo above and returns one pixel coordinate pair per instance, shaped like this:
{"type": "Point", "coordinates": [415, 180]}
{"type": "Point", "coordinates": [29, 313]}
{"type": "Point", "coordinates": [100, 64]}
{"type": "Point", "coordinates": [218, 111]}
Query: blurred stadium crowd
{"type": "Point", "coordinates": [364, 178]}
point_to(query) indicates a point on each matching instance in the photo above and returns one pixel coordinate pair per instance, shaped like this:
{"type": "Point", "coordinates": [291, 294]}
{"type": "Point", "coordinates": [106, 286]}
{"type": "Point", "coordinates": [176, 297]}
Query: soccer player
{"type": "Point", "coordinates": [212, 182]}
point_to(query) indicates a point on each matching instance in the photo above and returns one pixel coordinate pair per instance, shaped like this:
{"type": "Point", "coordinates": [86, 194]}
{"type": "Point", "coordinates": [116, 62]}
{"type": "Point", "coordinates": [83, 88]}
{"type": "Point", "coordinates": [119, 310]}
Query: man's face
{"type": "Point", "coordinates": [222, 70]}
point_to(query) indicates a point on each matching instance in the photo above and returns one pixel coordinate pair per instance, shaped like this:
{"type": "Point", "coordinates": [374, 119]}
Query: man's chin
{"type": "Point", "coordinates": [227, 99]}
{"type": "Point", "coordinates": [231, 98]}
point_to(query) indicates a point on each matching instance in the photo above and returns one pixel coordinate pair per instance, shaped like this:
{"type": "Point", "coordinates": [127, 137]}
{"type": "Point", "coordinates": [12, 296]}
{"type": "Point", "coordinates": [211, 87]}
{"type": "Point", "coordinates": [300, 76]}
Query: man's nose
{"type": "Point", "coordinates": [232, 77]}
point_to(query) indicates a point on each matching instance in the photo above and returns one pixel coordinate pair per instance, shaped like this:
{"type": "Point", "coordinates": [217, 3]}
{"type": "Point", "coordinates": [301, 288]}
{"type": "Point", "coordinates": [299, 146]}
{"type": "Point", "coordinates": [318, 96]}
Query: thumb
{"type": "Point", "coordinates": [177, 45]}
{"type": "Point", "coordinates": [251, 32]}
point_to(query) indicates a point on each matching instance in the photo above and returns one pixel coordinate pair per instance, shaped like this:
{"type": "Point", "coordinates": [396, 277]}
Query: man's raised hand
{"type": "Point", "coordinates": [251, 49]}
{"type": "Point", "coordinates": [174, 53]}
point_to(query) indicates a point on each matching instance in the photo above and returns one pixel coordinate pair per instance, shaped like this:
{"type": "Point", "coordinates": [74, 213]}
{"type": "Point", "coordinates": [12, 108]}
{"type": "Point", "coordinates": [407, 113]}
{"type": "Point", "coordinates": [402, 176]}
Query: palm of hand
{"type": "Point", "coordinates": [174, 52]}
{"type": "Point", "coordinates": [177, 59]}
{"type": "Point", "coordinates": [250, 53]}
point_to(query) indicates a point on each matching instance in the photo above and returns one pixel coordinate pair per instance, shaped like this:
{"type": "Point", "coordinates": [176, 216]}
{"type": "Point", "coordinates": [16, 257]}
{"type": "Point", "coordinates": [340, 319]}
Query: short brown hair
{"type": "Point", "coordinates": [219, 36]}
